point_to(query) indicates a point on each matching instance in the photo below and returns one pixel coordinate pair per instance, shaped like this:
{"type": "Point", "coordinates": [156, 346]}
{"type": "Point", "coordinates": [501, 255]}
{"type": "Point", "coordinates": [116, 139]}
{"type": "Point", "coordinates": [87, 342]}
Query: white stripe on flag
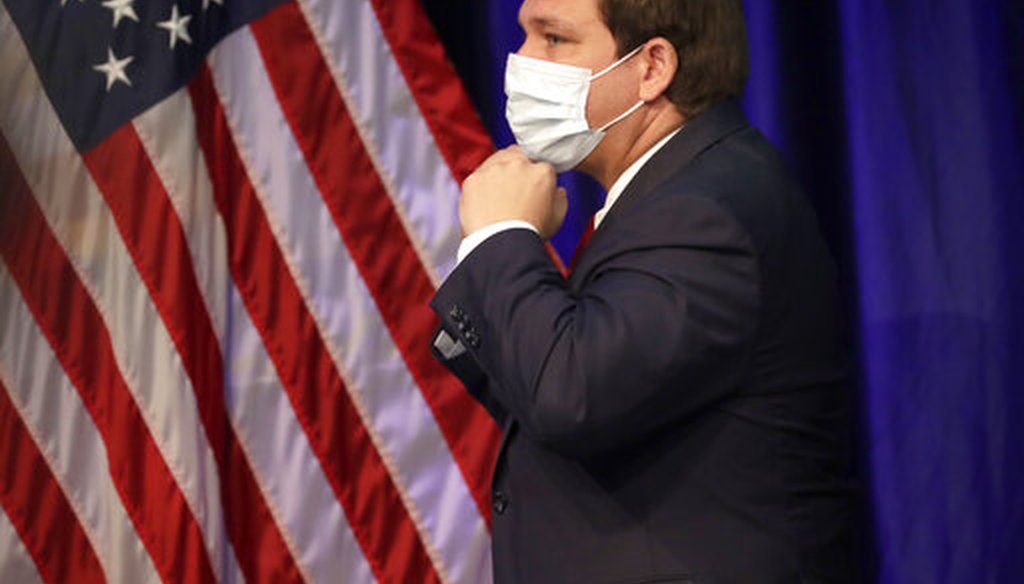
{"type": "Point", "coordinates": [82, 223]}
{"type": "Point", "coordinates": [418, 179]}
{"type": "Point", "coordinates": [16, 564]}
{"type": "Point", "coordinates": [51, 409]}
{"type": "Point", "coordinates": [289, 474]}
{"type": "Point", "coordinates": [168, 133]}
{"type": "Point", "coordinates": [406, 431]}
{"type": "Point", "coordinates": [280, 454]}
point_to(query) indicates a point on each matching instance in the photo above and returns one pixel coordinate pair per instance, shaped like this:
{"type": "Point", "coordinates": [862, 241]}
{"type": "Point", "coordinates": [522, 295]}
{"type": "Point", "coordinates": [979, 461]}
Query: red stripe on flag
{"type": "Point", "coordinates": [154, 236]}
{"type": "Point", "coordinates": [321, 401]}
{"type": "Point", "coordinates": [438, 91]}
{"type": "Point", "coordinates": [373, 233]}
{"type": "Point", "coordinates": [72, 323]}
{"type": "Point", "coordinates": [37, 507]}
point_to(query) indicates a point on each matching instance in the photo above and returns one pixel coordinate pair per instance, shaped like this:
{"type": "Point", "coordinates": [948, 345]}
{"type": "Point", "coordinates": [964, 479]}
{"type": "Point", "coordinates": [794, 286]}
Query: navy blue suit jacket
{"type": "Point", "coordinates": [676, 410]}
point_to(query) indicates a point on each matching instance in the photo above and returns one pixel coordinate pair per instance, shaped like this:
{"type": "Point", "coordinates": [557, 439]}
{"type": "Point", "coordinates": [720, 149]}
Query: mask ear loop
{"type": "Point", "coordinates": [625, 58]}
{"type": "Point", "coordinates": [622, 116]}
{"type": "Point", "coordinates": [637, 105]}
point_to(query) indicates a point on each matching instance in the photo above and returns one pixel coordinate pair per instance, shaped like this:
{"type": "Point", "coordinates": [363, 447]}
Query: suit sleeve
{"type": "Point", "coordinates": [452, 353]}
{"type": "Point", "coordinates": [662, 328]}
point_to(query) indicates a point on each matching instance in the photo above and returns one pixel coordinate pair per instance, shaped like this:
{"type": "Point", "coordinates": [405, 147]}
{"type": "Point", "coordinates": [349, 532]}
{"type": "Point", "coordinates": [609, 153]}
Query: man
{"type": "Point", "coordinates": [674, 411]}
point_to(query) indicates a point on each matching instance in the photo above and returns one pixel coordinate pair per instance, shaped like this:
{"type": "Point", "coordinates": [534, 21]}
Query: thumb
{"type": "Point", "coordinates": [561, 201]}
{"type": "Point", "coordinates": [559, 208]}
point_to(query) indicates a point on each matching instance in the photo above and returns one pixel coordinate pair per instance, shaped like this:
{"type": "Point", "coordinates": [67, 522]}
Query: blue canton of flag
{"type": "Point", "coordinates": [105, 62]}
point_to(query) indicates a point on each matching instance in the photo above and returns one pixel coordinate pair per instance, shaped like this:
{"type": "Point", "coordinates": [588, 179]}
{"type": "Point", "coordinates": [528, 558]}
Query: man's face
{"type": "Point", "coordinates": [573, 32]}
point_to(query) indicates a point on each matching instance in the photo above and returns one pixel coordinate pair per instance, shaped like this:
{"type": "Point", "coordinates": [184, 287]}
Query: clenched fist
{"type": "Point", "coordinates": [509, 186]}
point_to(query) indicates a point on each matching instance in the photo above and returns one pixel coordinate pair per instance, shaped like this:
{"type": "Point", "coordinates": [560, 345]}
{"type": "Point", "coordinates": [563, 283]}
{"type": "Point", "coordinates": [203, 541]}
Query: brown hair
{"type": "Point", "coordinates": [709, 36]}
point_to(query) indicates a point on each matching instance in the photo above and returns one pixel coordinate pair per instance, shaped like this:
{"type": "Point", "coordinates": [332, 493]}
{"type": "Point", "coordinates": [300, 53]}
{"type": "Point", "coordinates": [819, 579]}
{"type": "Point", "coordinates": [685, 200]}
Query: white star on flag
{"type": "Point", "coordinates": [121, 9]}
{"type": "Point", "coordinates": [114, 69]}
{"type": "Point", "coordinates": [206, 3]}
{"type": "Point", "coordinates": [176, 26]}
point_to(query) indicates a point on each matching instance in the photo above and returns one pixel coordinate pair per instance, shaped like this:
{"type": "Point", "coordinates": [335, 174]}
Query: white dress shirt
{"type": "Point", "coordinates": [473, 240]}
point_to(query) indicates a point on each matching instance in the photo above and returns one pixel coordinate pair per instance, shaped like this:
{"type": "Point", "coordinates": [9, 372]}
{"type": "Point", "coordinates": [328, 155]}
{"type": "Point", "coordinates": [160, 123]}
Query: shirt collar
{"type": "Point", "coordinates": [627, 176]}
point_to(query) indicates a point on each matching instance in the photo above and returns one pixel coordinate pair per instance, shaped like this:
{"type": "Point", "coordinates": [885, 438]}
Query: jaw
{"type": "Point", "coordinates": [627, 142]}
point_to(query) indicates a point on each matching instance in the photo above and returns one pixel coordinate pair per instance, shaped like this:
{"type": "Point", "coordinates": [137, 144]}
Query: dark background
{"type": "Point", "coordinates": [904, 120]}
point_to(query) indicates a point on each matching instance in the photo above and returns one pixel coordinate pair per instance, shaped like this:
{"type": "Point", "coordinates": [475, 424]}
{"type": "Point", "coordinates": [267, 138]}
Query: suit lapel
{"type": "Point", "coordinates": [697, 135]}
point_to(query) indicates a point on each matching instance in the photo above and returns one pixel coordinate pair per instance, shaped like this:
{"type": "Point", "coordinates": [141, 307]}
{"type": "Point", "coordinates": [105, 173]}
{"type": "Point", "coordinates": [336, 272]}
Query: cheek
{"type": "Point", "coordinates": [608, 98]}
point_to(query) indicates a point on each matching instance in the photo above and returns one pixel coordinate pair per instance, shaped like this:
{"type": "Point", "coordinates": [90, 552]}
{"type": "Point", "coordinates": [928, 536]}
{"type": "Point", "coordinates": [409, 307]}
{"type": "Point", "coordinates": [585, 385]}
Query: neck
{"type": "Point", "coordinates": [620, 154]}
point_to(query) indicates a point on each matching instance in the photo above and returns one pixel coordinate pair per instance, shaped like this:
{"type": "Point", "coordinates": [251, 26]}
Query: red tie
{"type": "Point", "coordinates": [584, 240]}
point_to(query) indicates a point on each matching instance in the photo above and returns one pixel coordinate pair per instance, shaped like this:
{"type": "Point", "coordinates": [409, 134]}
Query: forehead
{"type": "Point", "coordinates": [565, 14]}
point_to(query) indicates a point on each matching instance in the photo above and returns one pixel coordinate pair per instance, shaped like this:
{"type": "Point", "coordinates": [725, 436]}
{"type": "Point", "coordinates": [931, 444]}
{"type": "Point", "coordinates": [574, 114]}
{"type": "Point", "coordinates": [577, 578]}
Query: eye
{"type": "Point", "coordinates": [553, 40]}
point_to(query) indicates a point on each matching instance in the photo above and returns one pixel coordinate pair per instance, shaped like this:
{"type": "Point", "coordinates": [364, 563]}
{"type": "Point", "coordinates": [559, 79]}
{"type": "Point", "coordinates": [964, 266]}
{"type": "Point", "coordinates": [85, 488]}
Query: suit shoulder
{"type": "Point", "coordinates": [745, 176]}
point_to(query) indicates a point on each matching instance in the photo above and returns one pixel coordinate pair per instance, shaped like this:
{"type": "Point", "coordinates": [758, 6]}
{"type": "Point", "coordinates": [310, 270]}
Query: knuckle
{"type": "Point", "coordinates": [543, 171]}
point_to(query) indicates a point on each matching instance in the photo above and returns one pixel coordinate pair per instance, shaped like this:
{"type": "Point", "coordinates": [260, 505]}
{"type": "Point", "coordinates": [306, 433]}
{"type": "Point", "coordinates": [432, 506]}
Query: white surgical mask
{"type": "Point", "coordinates": [547, 109]}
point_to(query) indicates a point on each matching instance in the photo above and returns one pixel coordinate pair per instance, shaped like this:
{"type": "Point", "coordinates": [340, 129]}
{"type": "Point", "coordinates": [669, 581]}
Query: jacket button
{"type": "Point", "coordinates": [499, 502]}
{"type": "Point", "coordinates": [457, 314]}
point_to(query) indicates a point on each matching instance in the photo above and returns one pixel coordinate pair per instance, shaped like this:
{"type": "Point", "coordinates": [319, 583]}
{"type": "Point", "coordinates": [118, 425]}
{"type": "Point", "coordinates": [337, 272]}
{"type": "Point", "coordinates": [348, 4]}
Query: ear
{"type": "Point", "coordinates": [660, 63]}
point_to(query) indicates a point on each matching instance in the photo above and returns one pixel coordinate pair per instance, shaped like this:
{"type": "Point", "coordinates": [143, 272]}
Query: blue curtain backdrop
{"type": "Point", "coordinates": [904, 120]}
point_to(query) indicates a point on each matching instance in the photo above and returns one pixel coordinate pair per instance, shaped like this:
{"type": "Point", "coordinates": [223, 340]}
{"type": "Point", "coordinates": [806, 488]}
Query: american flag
{"type": "Point", "coordinates": [220, 225]}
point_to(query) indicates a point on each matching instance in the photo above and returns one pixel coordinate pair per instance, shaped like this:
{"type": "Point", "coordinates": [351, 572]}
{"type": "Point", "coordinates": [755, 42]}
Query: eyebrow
{"type": "Point", "coordinates": [548, 23]}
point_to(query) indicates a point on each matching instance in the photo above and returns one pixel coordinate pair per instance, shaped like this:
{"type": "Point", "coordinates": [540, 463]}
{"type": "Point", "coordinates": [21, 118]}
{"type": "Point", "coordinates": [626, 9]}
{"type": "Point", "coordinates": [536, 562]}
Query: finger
{"type": "Point", "coordinates": [556, 215]}
{"type": "Point", "coordinates": [561, 202]}
{"type": "Point", "coordinates": [505, 155]}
